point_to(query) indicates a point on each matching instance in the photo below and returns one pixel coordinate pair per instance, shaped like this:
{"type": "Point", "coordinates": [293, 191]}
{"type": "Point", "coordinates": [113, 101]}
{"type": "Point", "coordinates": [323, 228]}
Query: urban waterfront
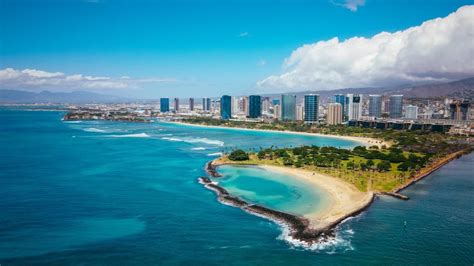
{"type": "Point", "coordinates": [101, 192]}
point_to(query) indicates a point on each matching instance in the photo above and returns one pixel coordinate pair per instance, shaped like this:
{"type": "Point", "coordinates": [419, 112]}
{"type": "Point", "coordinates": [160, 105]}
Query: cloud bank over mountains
{"type": "Point", "coordinates": [33, 79]}
{"type": "Point", "coordinates": [440, 49]}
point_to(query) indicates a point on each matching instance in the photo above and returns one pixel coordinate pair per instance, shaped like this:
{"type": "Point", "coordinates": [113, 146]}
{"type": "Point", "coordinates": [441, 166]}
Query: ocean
{"type": "Point", "coordinates": [114, 193]}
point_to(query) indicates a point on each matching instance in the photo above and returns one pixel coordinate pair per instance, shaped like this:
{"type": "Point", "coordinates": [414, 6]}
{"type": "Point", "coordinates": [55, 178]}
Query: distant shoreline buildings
{"type": "Point", "coordinates": [311, 109]}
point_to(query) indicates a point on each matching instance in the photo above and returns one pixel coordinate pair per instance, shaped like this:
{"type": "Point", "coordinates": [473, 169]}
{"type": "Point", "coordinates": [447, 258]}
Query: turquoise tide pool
{"type": "Point", "coordinates": [111, 193]}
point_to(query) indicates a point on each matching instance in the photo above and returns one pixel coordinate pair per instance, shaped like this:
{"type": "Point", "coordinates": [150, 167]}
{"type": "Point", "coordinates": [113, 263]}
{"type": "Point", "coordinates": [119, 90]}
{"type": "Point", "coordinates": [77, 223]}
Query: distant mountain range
{"type": "Point", "coordinates": [461, 89]}
{"type": "Point", "coordinates": [75, 97]}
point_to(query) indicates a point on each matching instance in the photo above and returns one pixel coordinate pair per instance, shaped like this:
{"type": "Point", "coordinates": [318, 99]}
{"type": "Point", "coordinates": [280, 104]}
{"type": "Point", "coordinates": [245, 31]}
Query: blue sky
{"type": "Point", "coordinates": [187, 48]}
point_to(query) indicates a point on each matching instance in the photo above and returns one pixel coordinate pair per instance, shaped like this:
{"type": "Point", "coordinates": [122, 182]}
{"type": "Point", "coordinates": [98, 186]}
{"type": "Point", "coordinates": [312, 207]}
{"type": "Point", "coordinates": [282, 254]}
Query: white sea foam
{"type": "Point", "coordinates": [341, 242]}
{"type": "Point", "coordinates": [215, 154]}
{"type": "Point", "coordinates": [93, 129]}
{"type": "Point", "coordinates": [195, 140]}
{"type": "Point", "coordinates": [198, 149]}
{"type": "Point", "coordinates": [73, 122]}
{"type": "Point", "coordinates": [349, 231]}
{"type": "Point", "coordinates": [138, 135]}
{"type": "Point", "coordinates": [172, 139]}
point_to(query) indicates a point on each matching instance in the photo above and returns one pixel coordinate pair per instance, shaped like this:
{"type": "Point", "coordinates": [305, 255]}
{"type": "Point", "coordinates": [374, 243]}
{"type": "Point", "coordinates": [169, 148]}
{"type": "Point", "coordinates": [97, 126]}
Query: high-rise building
{"type": "Point", "coordinates": [164, 105]}
{"type": "Point", "coordinates": [288, 107]}
{"type": "Point", "coordinates": [206, 104]}
{"type": "Point", "coordinates": [235, 105]}
{"type": "Point", "coordinates": [244, 105]}
{"type": "Point", "coordinates": [226, 107]}
{"type": "Point", "coordinates": [255, 106]}
{"type": "Point", "coordinates": [341, 99]}
{"type": "Point", "coordinates": [266, 105]}
{"type": "Point", "coordinates": [354, 106]}
{"type": "Point", "coordinates": [216, 106]}
{"type": "Point", "coordinates": [311, 108]}
{"type": "Point", "coordinates": [375, 105]}
{"type": "Point", "coordinates": [191, 104]}
{"type": "Point", "coordinates": [299, 113]}
{"type": "Point", "coordinates": [411, 112]}
{"type": "Point", "coordinates": [459, 110]}
{"type": "Point", "coordinates": [396, 106]}
{"type": "Point", "coordinates": [385, 106]}
{"type": "Point", "coordinates": [276, 111]}
{"type": "Point", "coordinates": [334, 116]}
{"type": "Point", "coordinates": [176, 105]}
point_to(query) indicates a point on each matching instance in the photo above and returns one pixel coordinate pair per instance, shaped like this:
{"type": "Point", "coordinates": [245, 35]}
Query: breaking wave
{"type": "Point", "coordinates": [138, 135]}
{"type": "Point", "coordinates": [196, 140]}
{"type": "Point", "coordinates": [341, 242]}
{"type": "Point", "coordinates": [93, 129]}
{"type": "Point", "coordinates": [198, 149]}
{"type": "Point", "coordinates": [215, 154]}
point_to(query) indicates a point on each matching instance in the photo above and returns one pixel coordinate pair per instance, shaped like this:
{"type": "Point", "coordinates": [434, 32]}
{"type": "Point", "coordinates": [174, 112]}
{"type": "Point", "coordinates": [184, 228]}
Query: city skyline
{"type": "Point", "coordinates": [103, 52]}
{"type": "Point", "coordinates": [236, 132]}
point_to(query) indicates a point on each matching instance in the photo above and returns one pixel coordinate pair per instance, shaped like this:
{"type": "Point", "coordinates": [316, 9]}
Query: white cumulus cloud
{"type": "Point", "coordinates": [32, 79]}
{"type": "Point", "coordinates": [440, 49]}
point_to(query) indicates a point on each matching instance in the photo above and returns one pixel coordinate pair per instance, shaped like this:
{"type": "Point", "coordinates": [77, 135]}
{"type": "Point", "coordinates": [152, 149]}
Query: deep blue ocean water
{"type": "Point", "coordinates": [111, 193]}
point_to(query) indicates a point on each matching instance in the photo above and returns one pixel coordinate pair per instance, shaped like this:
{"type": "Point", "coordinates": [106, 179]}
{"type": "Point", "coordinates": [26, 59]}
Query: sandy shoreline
{"type": "Point", "coordinates": [344, 198]}
{"type": "Point", "coordinates": [362, 140]}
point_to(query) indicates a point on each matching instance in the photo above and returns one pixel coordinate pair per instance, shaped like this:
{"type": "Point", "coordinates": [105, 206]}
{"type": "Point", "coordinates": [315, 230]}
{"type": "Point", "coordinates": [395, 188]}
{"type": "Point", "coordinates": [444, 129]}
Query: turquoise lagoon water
{"type": "Point", "coordinates": [110, 193]}
{"type": "Point", "coordinates": [272, 189]}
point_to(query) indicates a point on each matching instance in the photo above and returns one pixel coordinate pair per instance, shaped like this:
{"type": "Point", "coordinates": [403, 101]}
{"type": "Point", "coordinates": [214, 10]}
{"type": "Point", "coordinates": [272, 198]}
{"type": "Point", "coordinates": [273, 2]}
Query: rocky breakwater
{"type": "Point", "coordinates": [300, 228]}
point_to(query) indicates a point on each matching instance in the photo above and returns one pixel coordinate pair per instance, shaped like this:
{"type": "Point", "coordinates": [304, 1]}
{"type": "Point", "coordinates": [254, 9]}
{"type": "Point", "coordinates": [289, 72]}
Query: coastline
{"type": "Point", "coordinates": [344, 201]}
{"type": "Point", "coordinates": [366, 141]}
{"type": "Point", "coordinates": [344, 198]}
{"type": "Point", "coordinates": [432, 168]}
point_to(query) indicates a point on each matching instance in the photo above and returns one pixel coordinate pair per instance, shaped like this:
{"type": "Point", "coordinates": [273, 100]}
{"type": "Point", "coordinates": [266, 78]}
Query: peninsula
{"type": "Point", "coordinates": [351, 177]}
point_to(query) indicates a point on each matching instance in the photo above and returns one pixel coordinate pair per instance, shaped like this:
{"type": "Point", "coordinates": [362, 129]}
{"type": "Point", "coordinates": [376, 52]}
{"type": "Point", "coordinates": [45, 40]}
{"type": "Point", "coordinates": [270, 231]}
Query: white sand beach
{"type": "Point", "coordinates": [345, 198]}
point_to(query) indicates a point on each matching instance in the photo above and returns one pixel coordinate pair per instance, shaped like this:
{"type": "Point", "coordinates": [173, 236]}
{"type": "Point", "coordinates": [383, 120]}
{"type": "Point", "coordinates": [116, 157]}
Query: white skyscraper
{"type": "Point", "coordinates": [244, 105]}
{"type": "Point", "coordinates": [266, 105]}
{"type": "Point", "coordinates": [299, 112]}
{"type": "Point", "coordinates": [334, 116]}
{"type": "Point", "coordinates": [355, 106]}
{"type": "Point", "coordinates": [235, 106]}
{"type": "Point", "coordinates": [411, 112]}
{"type": "Point", "coordinates": [276, 111]}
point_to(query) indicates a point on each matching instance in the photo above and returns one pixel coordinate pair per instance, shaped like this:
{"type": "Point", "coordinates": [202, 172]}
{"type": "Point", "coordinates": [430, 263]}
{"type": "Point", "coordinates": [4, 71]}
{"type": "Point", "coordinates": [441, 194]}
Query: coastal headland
{"type": "Point", "coordinates": [351, 178]}
{"type": "Point", "coordinates": [345, 200]}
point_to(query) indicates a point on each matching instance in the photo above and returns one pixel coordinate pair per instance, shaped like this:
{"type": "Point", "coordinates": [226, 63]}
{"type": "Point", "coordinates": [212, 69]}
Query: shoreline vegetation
{"type": "Point", "coordinates": [117, 116]}
{"type": "Point", "coordinates": [352, 177]}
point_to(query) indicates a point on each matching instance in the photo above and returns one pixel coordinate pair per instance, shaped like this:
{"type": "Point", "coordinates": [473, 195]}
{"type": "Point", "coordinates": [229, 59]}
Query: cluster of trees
{"type": "Point", "coordinates": [238, 155]}
{"type": "Point", "coordinates": [375, 159]}
{"type": "Point", "coordinates": [394, 155]}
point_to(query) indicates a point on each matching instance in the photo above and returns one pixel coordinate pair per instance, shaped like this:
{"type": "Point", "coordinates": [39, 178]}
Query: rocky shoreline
{"type": "Point", "coordinates": [211, 170]}
{"type": "Point", "coordinates": [299, 227]}
{"type": "Point", "coordinates": [430, 170]}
